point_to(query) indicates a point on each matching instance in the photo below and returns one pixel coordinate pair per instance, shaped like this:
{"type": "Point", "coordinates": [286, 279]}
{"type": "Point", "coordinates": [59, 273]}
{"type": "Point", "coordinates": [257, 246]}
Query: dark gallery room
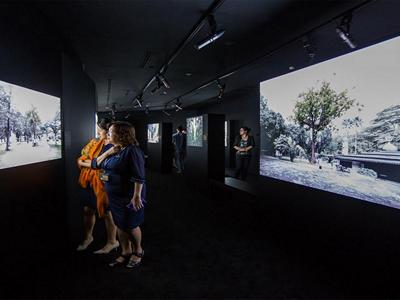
{"type": "Point", "coordinates": [200, 149]}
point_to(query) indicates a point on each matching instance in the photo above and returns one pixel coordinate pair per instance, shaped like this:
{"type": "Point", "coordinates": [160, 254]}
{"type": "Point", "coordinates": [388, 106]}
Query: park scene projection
{"type": "Point", "coordinates": [195, 131]}
{"type": "Point", "coordinates": [335, 126]}
{"type": "Point", "coordinates": [153, 133]}
{"type": "Point", "coordinates": [30, 126]}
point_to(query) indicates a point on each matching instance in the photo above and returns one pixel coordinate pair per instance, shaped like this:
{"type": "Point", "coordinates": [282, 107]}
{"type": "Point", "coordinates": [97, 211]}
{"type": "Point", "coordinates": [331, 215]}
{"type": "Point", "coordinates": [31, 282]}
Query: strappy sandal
{"type": "Point", "coordinates": [133, 264]}
{"type": "Point", "coordinates": [117, 262]}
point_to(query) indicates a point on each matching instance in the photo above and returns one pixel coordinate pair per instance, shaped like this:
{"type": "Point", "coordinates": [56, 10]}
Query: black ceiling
{"type": "Point", "coordinates": [113, 38]}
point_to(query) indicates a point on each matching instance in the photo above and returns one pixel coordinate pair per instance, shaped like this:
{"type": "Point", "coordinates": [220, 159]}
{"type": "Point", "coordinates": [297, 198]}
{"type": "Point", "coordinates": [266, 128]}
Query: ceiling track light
{"type": "Point", "coordinates": [309, 47]}
{"type": "Point", "coordinates": [163, 81]}
{"type": "Point", "coordinates": [138, 101]}
{"type": "Point", "coordinates": [166, 113]}
{"type": "Point", "coordinates": [147, 110]}
{"type": "Point", "coordinates": [214, 33]}
{"type": "Point", "coordinates": [157, 87]}
{"type": "Point", "coordinates": [178, 105]}
{"type": "Point", "coordinates": [222, 87]}
{"type": "Point", "coordinates": [343, 31]}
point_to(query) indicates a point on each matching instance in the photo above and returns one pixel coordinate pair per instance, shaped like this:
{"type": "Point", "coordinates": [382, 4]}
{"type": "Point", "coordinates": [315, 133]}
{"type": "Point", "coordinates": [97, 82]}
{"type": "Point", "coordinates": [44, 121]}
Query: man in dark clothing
{"type": "Point", "coordinates": [179, 141]}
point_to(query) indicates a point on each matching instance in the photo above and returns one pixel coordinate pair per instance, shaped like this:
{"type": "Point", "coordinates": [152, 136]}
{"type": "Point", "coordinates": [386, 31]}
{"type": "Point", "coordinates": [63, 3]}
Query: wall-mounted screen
{"type": "Point", "coordinates": [153, 133]}
{"type": "Point", "coordinates": [30, 126]}
{"type": "Point", "coordinates": [335, 126]}
{"type": "Point", "coordinates": [195, 131]}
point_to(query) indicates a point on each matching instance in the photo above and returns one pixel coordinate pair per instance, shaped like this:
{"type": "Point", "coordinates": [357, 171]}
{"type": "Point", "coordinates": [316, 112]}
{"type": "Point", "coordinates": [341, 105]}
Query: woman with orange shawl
{"type": "Point", "coordinates": [94, 197]}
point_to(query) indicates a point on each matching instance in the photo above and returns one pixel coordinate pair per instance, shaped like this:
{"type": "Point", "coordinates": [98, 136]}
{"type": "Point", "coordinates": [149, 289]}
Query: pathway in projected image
{"type": "Point", "coordinates": [328, 178]}
{"type": "Point", "coordinates": [24, 153]}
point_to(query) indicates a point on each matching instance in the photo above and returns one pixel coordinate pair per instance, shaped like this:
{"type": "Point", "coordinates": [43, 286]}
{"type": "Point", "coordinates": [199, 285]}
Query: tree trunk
{"type": "Point", "coordinates": [8, 135]}
{"type": "Point", "coordinates": [355, 143]}
{"type": "Point", "coordinates": [8, 128]}
{"type": "Point", "coordinates": [312, 146]}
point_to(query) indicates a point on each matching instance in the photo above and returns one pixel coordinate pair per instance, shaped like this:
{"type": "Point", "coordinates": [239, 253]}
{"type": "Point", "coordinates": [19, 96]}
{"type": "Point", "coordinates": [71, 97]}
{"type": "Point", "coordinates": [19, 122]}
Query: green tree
{"type": "Point", "coordinates": [33, 119]}
{"type": "Point", "coordinates": [350, 123]}
{"type": "Point", "coordinates": [55, 125]}
{"type": "Point", "coordinates": [288, 146]}
{"type": "Point", "coordinates": [316, 109]}
{"type": "Point", "coordinates": [383, 128]}
{"type": "Point", "coordinates": [5, 110]}
{"type": "Point", "coordinates": [272, 125]}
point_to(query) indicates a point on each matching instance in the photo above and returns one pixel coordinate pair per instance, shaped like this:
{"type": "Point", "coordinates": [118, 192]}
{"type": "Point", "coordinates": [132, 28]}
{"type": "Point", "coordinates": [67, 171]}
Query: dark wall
{"type": "Point", "coordinates": [240, 105]}
{"type": "Point", "coordinates": [243, 106]}
{"type": "Point", "coordinates": [32, 196]}
{"type": "Point", "coordinates": [79, 108]}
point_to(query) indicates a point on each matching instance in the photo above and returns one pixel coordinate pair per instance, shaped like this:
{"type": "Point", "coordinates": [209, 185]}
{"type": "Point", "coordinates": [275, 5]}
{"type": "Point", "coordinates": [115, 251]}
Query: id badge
{"type": "Point", "coordinates": [104, 177]}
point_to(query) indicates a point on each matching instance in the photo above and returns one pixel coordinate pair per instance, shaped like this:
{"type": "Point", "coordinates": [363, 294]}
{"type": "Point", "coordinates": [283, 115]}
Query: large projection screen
{"type": "Point", "coordinates": [30, 126]}
{"type": "Point", "coordinates": [335, 126]}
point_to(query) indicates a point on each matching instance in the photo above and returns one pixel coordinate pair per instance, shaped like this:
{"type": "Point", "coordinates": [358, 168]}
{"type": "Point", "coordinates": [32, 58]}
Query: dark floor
{"type": "Point", "coordinates": [196, 246]}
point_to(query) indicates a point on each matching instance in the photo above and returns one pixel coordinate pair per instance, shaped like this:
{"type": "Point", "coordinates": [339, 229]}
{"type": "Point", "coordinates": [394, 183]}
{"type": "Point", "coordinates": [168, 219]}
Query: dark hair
{"type": "Point", "coordinates": [245, 128]}
{"type": "Point", "coordinates": [104, 123]}
{"type": "Point", "coordinates": [125, 133]}
{"type": "Point", "coordinates": [180, 128]}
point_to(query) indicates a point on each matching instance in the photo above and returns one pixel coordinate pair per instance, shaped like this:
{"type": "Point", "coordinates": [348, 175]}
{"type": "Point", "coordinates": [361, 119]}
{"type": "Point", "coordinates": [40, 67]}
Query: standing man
{"type": "Point", "coordinates": [179, 141]}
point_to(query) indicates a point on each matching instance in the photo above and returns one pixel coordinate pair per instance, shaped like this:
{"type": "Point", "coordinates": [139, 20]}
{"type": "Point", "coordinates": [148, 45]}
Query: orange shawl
{"type": "Point", "coordinates": [91, 177]}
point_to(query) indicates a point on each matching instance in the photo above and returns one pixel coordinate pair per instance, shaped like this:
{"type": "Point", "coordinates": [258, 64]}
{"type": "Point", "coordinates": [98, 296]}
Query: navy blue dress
{"type": "Point", "coordinates": [123, 170]}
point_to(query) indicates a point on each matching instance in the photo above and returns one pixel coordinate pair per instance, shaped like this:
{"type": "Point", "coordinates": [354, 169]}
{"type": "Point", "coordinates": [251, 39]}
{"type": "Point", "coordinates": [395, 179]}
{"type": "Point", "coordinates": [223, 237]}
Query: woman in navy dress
{"type": "Point", "coordinates": [124, 177]}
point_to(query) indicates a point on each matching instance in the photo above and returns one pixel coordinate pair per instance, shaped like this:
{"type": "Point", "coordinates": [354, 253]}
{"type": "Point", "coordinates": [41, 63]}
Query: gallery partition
{"type": "Point", "coordinates": [205, 148]}
{"type": "Point", "coordinates": [232, 129]}
{"type": "Point", "coordinates": [159, 147]}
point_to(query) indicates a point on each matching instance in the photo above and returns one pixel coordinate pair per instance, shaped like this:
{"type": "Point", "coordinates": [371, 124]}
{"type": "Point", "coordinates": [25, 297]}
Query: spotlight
{"type": "Point", "coordinates": [346, 37]}
{"type": "Point", "coordinates": [147, 110]}
{"type": "Point", "coordinates": [164, 81]}
{"type": "Point", "coordinates": [214, 33]}
{"type": "Point", "coordinates": [156, 87]}
{"type": "Point", "coordinates": [222, 87]}
{"type": "Point", "coordinates": [310, 49]}
{"type": "Point", "coordinates": [178, 105]}
{"type": "Point", "coordinates": [138, 101]}
{"type": "Point", "coordinates": [210, 39]}
{"type": "Point", "coordinates": [343, 31]}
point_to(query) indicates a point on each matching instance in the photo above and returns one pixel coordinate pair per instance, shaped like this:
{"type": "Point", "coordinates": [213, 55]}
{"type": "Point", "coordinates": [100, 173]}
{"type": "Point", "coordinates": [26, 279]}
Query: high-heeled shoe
{"type": "Point", "coordinates": [117, 262]}
{"type": "Point", "coordinates": [134, 264]}
{"type": "Point", "coordinates": [84, 244]}
{"type": "Point", "coordinates": [106, 250]}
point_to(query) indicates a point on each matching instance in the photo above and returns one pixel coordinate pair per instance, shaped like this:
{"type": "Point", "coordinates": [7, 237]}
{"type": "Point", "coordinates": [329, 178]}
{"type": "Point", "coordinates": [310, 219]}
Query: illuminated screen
{"type": "Point", "coordinates": [195, 131]}
{"type": "Point", "coordinates": [153, 133]}
{"type": "Point", "coordinates": [30, 126]}
{"type": "Point", "coordinates": [335, 126]}
{"type": "Point", "coordinates": [226, 133]}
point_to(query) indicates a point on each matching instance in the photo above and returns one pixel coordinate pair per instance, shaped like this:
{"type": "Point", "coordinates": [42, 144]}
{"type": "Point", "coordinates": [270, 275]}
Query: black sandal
{"type": "Point", "coordinates": [117, 262]}
{"type": "Point", "coordinates": [133, 264]}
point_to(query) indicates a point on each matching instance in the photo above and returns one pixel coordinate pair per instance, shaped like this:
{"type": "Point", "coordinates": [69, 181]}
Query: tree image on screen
{"type": "Point", "coordinates": [335, 126]}
{"type": "Point", "coordinates": [153, 135]}
{"type": "Point", "coordinates": [195, 131]}
{"type": "Point", "coordinates": [30, 126]}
